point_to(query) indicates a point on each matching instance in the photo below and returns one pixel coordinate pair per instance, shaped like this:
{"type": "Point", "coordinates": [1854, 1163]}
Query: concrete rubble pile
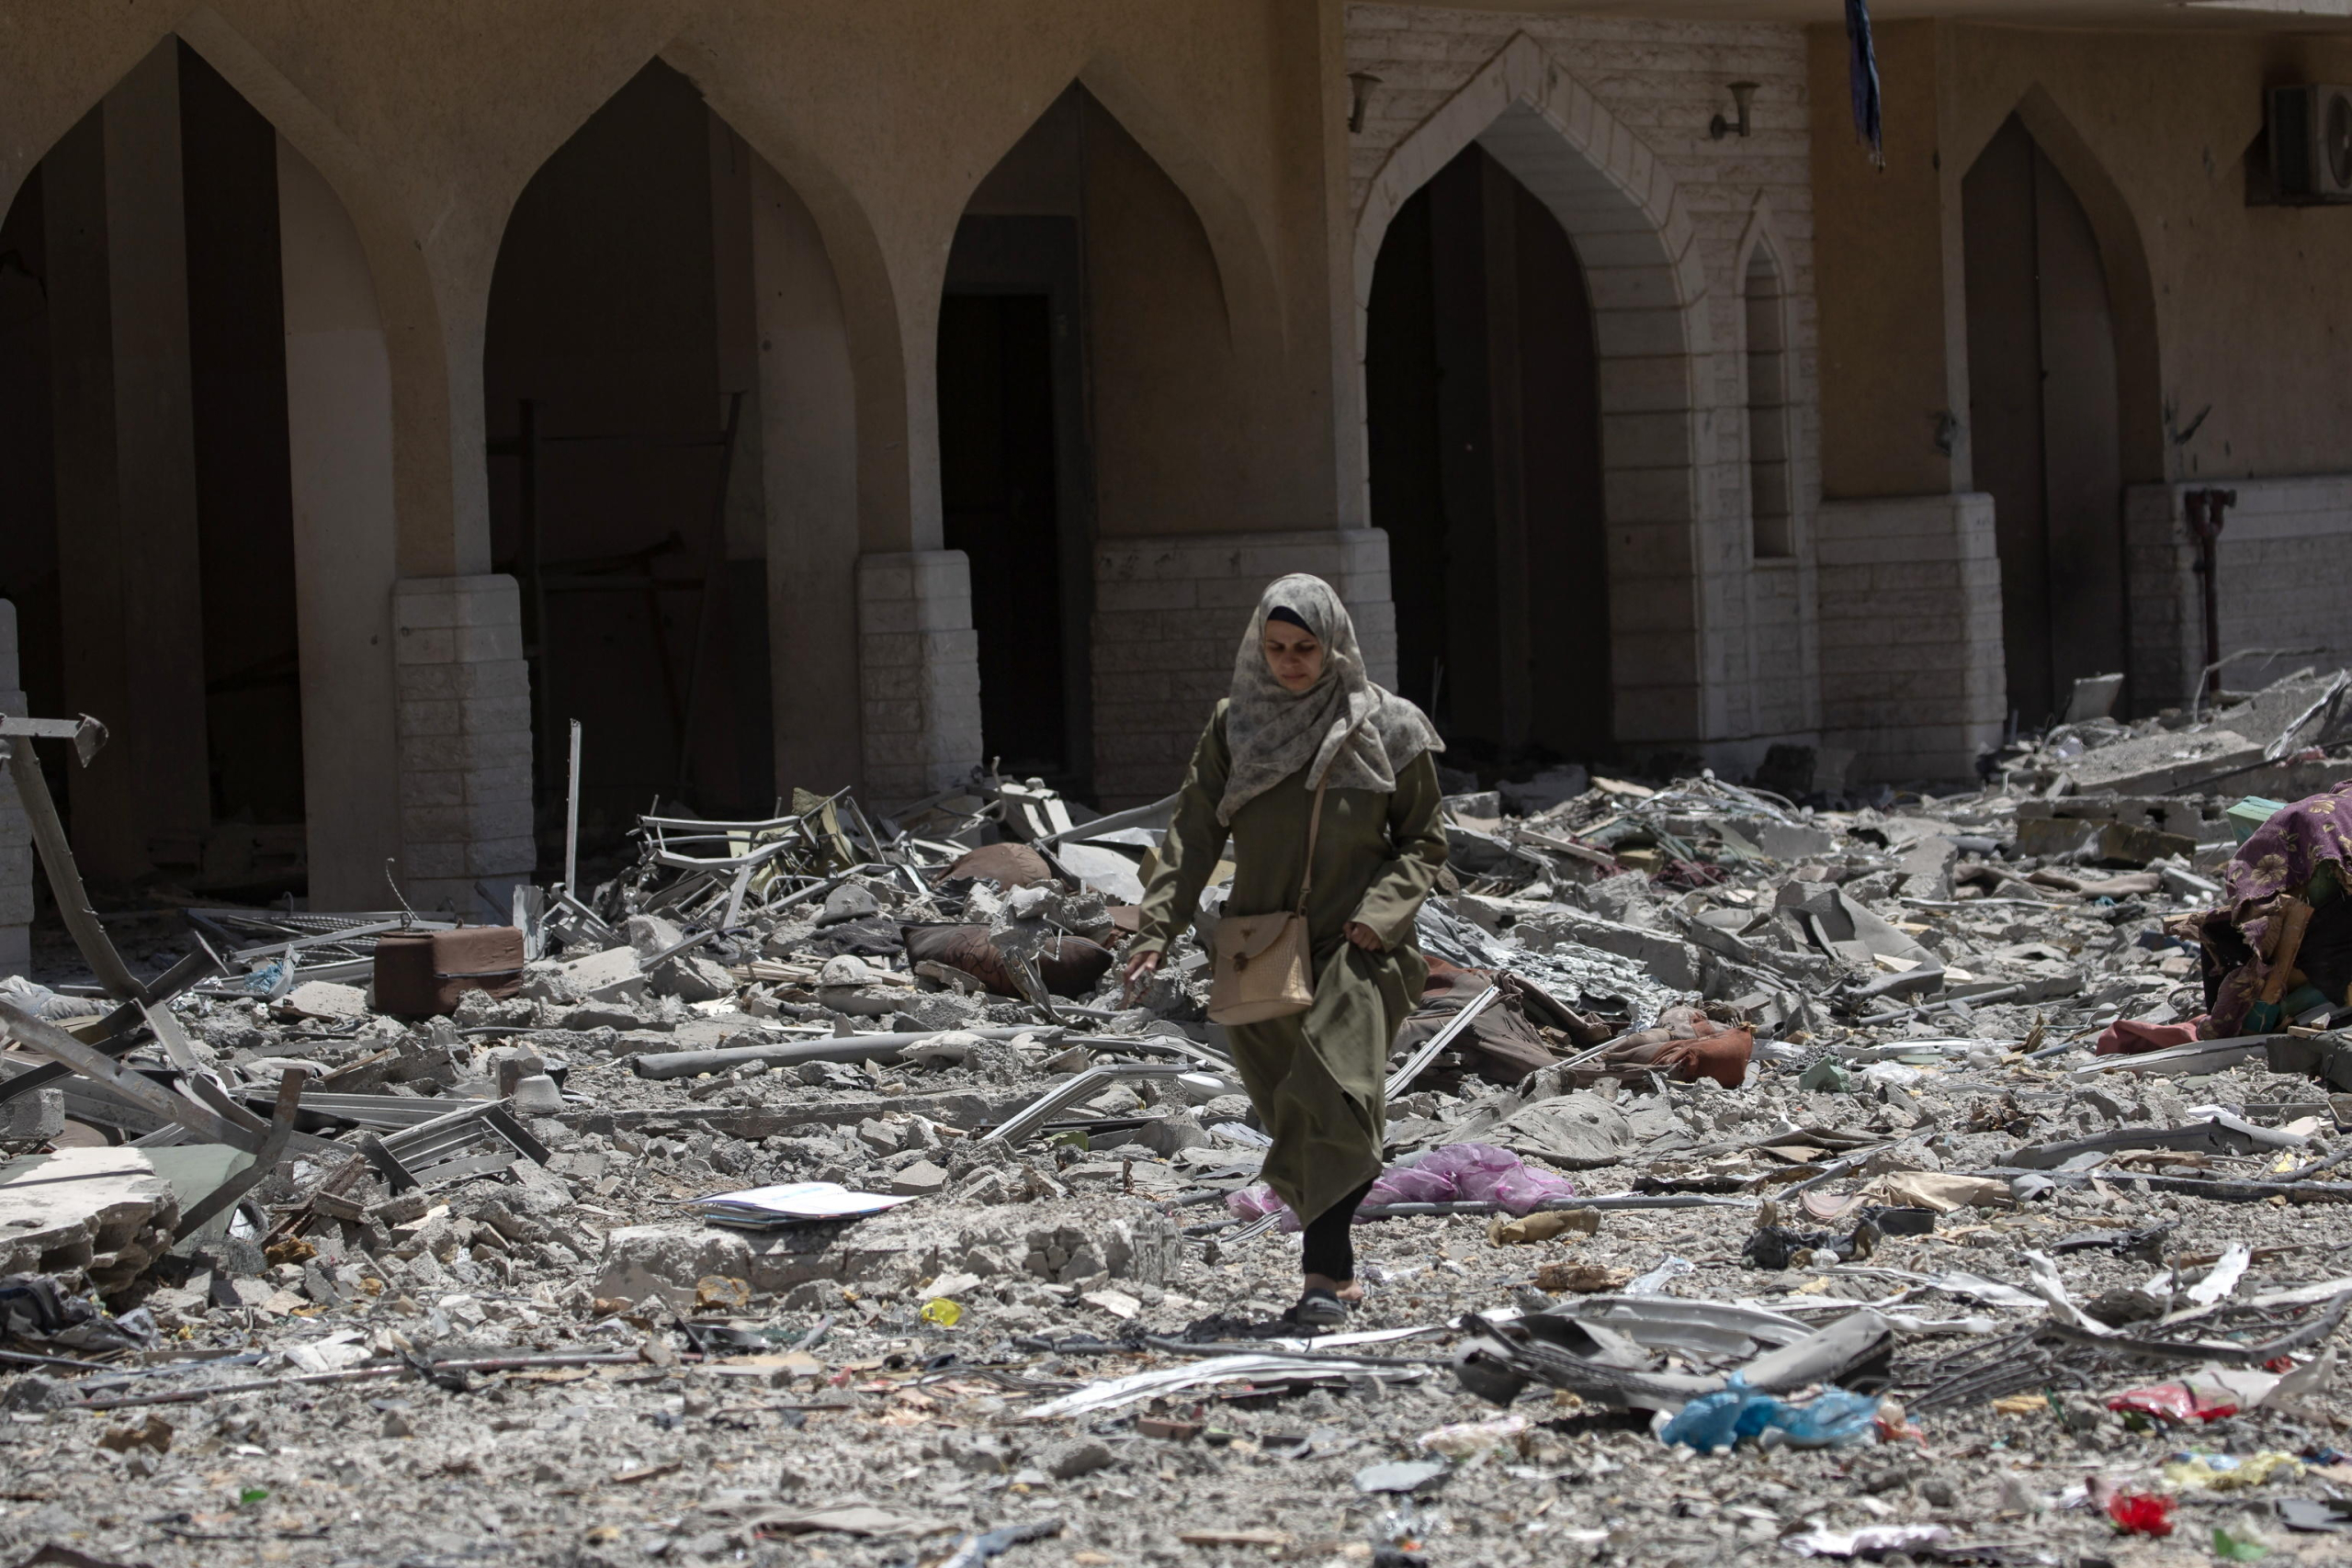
{"type": "Point", "coordinates": [1776, 1174]}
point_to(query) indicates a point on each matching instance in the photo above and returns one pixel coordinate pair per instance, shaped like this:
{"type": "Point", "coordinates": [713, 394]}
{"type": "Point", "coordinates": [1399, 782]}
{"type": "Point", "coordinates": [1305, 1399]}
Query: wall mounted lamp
{"type": "Point", "coordinates": [1743, 94]}
{"type": "Point", "coordinates": [1364, 82]}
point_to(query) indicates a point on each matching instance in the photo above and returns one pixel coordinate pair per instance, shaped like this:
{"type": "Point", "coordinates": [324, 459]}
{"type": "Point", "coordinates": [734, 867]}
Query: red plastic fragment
{"type": "Point", "coordinates": [2176, 1401]}
{"type": "Point", "coordinates": [2141, 1513]}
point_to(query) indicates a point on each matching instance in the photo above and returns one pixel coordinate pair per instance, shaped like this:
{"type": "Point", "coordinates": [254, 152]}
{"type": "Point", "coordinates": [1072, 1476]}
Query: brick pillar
{"type": "Point", "coordinates": [15, 837]}
{"type": "Point", "coordinates": [465, 742]}
{"type": "Point", "coordinates": [1168, 614]}
{"type": "Point", "coordinates": [918, 672]}
{"type": "Point", "coordinates": [1912, 674]}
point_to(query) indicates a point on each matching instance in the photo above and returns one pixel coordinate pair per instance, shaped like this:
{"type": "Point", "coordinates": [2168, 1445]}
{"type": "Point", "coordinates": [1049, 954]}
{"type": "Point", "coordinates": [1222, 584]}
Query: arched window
{"type": "Point", "coordinates": [1771, 511]}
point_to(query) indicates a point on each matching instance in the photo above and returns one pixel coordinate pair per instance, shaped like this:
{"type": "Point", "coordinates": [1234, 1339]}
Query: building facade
{"type": "Point", "coordinates": [848, 394]}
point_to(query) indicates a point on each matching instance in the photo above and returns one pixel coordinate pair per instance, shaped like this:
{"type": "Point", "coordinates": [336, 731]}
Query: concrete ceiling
{"type": "Point", "coordinates": [2296, 16]}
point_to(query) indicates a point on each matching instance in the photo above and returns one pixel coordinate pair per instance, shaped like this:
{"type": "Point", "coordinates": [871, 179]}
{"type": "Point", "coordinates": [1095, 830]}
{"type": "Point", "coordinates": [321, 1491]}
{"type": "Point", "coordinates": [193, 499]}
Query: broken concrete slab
{"type": "Point", "coordinates": [1063, 1242]}
{"type": "Point", "coordinates": [106, 1213]}
{"type": "Point", "coordinates": [965, 1109]}
{"type": "Point", "coordinates": [325, 998]}
{"type": "Point", "coordinates": [1576, 1131]}
{"type": "Point", "coordinates": [609, 976]}
{"type": "Point", "coordinates": [2162, 763]}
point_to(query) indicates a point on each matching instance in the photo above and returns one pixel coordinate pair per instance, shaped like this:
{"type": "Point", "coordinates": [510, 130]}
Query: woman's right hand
{"type": "Point", "coordinates": [1140, 969]}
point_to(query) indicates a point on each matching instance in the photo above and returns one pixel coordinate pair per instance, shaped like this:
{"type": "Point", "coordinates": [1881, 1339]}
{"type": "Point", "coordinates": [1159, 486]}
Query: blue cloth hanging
{"type": "Point", "coordinates": [1862, 76]}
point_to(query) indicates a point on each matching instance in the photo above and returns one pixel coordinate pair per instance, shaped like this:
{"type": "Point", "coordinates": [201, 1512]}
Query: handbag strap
{"type": "Point", "coordinates": [1314, 828]}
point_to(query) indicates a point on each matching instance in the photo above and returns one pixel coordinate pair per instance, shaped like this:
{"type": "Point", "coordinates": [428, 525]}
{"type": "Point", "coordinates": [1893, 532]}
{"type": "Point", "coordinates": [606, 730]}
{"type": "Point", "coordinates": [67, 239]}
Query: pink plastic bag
{"type": "Point", "coordinates": [1256, 1203]}
{"type": "Point", "coordinates": [1456, 1173]}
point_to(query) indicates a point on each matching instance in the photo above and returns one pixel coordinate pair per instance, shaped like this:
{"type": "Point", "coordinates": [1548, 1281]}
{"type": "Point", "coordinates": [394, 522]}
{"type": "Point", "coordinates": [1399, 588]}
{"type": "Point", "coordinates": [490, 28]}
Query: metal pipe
{"type": "Point", "coordinates": [571, 818]}
{"type": "Point", "coordinates": [66, 877]}
{"type": "Point", "coordinates": [1403, 1077]}
{"type": "Point", "coordinates": [153, 1098]}
{"type": "Point", "coordinates": [837, 1048]}
{"type": "Point", "coordinates": [2206, 511]}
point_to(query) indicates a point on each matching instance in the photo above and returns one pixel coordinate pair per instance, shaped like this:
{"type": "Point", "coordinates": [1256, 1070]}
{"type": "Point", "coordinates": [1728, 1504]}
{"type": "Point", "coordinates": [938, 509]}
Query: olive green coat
{"type": "Point", "coordinates": [1315, 1076]}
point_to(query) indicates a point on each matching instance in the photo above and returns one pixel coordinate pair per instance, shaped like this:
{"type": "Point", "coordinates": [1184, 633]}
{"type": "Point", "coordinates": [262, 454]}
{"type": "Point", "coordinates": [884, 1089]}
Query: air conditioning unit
{"type": "Point", "coordinates": [2311, 142]}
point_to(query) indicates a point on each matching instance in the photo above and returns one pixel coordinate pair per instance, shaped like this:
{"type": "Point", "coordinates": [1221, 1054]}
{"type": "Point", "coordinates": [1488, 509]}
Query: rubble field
{"type": "Point", "coordinates": [1772, 1175]}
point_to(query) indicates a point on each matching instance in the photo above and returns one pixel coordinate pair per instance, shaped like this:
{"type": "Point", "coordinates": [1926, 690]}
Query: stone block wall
{"type": "Point", "coordinates": [918, 673]}
{"type": "Point", "coordinates": [465, 742]}
{"type": "Point", "coordinates": [1169, 612]}
{"type": "Point", "coordinates": [1912, 677]}
{"type": "Point", "coordinates": [2280, 567]}
{"type": "Point", "coordinates": [1710, 645]}
{"type": "Point", "coordinates": [15, 837]}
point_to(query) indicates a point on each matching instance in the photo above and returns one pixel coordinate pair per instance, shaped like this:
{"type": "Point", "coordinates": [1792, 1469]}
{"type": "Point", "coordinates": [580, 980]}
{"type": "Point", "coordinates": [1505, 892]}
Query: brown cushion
{"type": "Point", "coordinates": [1007, 865]}
{"type": "Point", "coordinates": [1069, 965]}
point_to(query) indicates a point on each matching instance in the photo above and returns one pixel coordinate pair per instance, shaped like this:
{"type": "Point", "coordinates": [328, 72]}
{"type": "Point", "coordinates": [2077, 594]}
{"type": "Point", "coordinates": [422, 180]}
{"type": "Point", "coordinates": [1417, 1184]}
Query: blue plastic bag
{"type": "Point", "coordinates": [1837, 1418]}
{"type": "Point", "coordinates": [1717, 1421]}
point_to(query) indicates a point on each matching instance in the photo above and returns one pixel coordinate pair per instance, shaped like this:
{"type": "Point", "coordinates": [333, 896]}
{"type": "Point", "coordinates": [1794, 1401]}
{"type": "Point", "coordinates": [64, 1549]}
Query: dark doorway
{"type": "Point", "coordinates": [241, 832]}
{"type": "Point", "coordinates": [2045, 421]}
{"type": "Point", "coordinates": [616, 405]}
{"type": "Point", "coordinates": [1483, 402]}
{"type": "Point", "coordinates": [996, 478]}
{"type": "Point", "coordinates": [28, 567]}
{"type": "Point", "coordinates": [245, 496]}
{"type": "Point", "coordinates": [1015, 486]}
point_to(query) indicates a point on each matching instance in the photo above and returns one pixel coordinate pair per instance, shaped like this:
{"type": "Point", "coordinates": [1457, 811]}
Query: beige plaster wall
{"type": "Point", "coordinates": [884, 114]}
{"type": "Point", "coordinates": [1892, 358]}
{"type": "Point", "coordinates": [2217, 303]}
{"type": "Point", "coordinates": [2245, 302]}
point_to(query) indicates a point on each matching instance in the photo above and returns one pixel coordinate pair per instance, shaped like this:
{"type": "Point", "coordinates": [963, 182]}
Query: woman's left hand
{"type": "Point", "coordinates": [1363, 936]}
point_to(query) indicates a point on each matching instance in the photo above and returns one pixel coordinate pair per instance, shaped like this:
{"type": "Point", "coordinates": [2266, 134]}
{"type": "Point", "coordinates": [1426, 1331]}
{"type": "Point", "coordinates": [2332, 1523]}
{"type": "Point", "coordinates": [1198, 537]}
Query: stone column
{"type": "Point", "coordinates": [919, 672]}
{"type": "Point", "coordinates": [339, 430]}
{"type": "Point", "coordinates": [1912, 675]}
{"type": "Point", "coordinates": [808, 449]}
{"type": "Point", "coordinates": [1168, 612]}
{"type": "Point", "coordinates": [162, 610]}
{"type": "Point", "coordinates": [126, 475]}
{"type": "Point", "coordinates": [465, 742]}
{"type": "Point", "coordinates": [15, 835]}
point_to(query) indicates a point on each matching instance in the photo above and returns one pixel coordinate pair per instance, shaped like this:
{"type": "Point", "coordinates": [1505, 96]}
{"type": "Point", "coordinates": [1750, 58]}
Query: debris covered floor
{"type": "Point", "coordinates": [1766, 1182]}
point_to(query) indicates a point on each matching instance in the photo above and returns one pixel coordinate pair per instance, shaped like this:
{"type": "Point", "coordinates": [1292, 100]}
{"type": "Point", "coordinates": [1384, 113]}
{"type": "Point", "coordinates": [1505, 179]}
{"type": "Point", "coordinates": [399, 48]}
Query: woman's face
{"type": "Point", "coordinates": [1294, 655]}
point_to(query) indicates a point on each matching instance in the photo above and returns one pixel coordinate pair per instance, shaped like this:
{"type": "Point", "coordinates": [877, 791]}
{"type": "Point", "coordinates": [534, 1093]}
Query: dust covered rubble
{"type": "Point", "coordinates": [560, 1363]}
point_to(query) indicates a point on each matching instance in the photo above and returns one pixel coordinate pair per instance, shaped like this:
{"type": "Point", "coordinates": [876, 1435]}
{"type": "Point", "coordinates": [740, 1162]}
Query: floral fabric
{"type": "Point", "coordinates": [2276, 862]}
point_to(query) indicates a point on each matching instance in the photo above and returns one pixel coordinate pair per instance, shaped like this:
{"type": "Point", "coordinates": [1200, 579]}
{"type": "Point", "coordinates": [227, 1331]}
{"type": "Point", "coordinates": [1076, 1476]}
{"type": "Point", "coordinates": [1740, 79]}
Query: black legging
{"type": "Point", "coordinates": [1327, 1250]}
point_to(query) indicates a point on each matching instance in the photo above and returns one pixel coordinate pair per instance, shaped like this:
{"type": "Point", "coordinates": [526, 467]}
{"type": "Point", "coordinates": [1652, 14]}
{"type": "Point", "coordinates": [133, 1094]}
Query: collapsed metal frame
{"type": "Point", "coordinates": [198, 1100]}
{"type": "Point", "coordinates": [720, 884]}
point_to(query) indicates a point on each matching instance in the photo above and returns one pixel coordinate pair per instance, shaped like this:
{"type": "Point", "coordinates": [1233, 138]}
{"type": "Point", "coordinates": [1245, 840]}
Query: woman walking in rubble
{"type": "Point", "coordinates": [1303, 718]}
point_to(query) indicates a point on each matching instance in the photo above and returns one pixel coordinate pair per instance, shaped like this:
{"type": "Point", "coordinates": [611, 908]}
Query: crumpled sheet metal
{"type": "Point", "coordinates": [1583, 976]}
{"type": "Point", "coordinates": [1588, 1359]}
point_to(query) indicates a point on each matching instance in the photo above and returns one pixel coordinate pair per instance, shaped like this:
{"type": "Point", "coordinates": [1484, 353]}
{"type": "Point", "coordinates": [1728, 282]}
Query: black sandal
{"type": "Point", "coordinates": [1319, 1308]}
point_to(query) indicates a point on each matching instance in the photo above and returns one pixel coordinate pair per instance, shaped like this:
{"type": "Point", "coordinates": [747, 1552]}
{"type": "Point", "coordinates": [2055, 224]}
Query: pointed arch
{"type": "Point", "coordinates": [897, 507]}
{"type": "Point", "coordinates": [427, 461]}
{"type": "Point", "coordinates": [48, 83]}
{"type": "Point", "coordinates": [1613, 196]}
{"type": "Point", "coordinates": [1766, 360]}
{"type": "Point", "coordinates": [1252, 302]}
{"type": "Point", "coordinates": [1625, 215]}
{"type": "Point", "coordinates": [2131, 286]}
{"type": "Point", "coordinates": [1759, 233]}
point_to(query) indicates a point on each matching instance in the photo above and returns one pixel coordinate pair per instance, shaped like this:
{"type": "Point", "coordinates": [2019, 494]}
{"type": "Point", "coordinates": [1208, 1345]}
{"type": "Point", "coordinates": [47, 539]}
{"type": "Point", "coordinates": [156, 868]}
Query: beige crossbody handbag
{"type": "Point", "coordinates": [1264, 965]}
